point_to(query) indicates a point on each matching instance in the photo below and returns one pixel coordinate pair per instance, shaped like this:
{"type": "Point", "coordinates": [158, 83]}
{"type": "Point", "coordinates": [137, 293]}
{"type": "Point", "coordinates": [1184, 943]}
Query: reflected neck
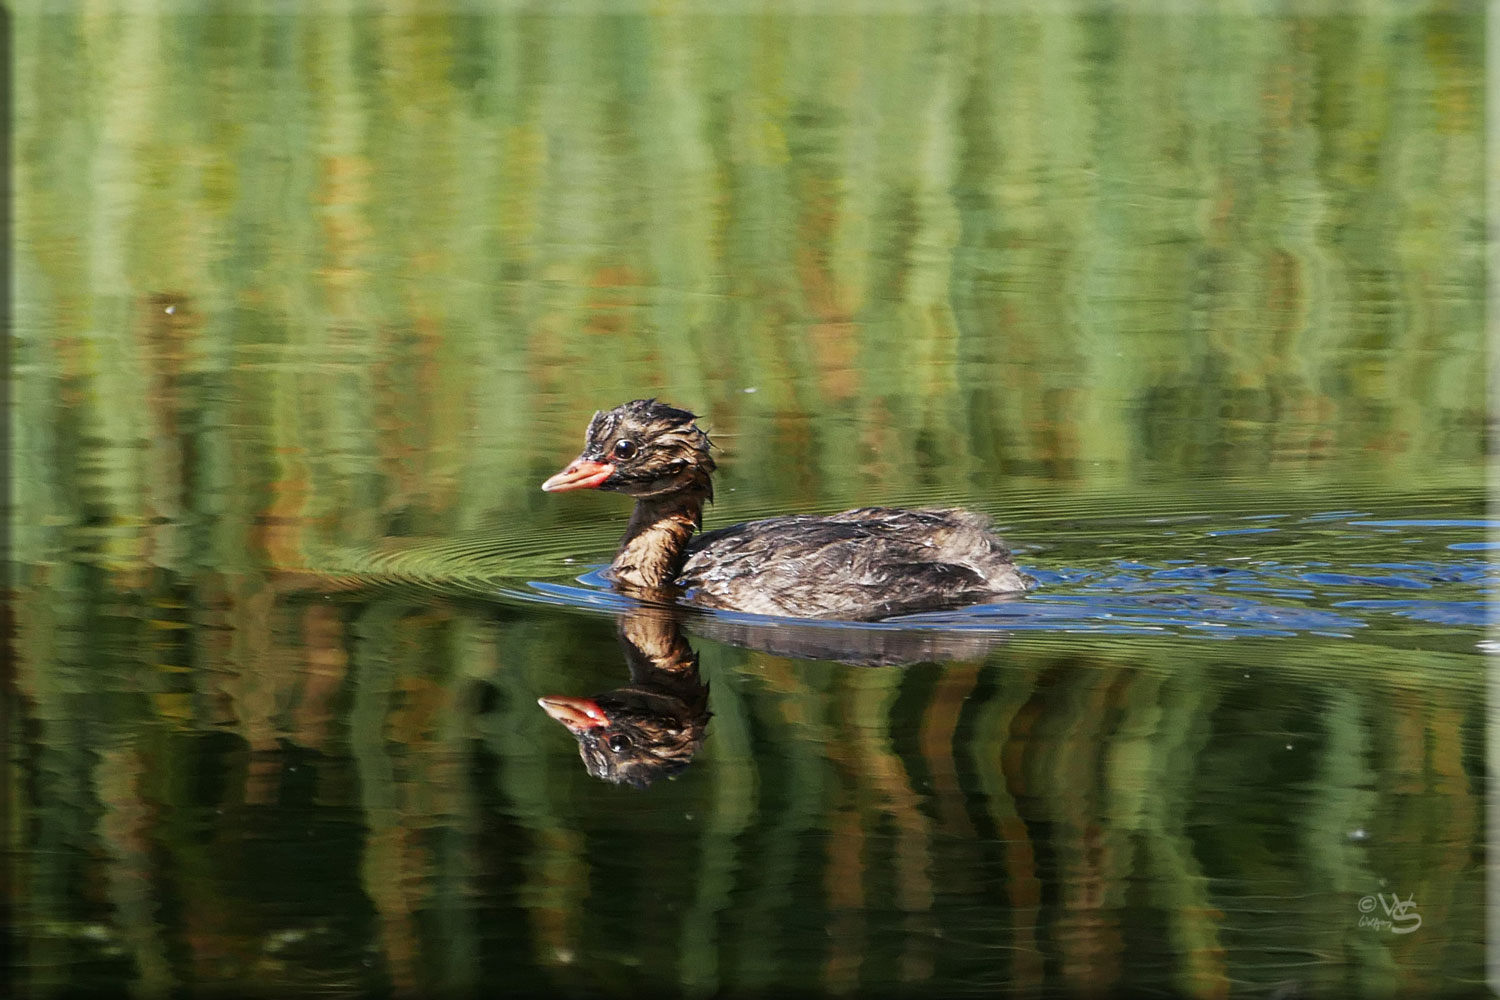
{"type": "Point", "coordinates": [651, 552]}
{"type": "Point", "coordinates": [657, 651]}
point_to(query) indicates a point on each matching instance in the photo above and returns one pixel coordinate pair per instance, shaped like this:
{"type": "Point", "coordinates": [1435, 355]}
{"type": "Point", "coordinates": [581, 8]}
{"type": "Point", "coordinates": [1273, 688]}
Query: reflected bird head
{"type": "Point", "coordinates": [632, 736]}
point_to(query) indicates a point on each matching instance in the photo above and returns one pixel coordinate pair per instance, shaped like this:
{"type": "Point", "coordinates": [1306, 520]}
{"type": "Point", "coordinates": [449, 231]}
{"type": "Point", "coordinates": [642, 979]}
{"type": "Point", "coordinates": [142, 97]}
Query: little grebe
{"type": "Point", "coordinates": [868, 563]}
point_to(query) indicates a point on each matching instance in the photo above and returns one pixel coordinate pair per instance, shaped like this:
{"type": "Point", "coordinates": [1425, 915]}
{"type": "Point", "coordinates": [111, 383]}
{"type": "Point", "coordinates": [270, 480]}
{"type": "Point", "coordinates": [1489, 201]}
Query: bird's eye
{"type": "Point", "coordinates": [619, 742]}
{"type": "Point", "coordinates": [625, 449]}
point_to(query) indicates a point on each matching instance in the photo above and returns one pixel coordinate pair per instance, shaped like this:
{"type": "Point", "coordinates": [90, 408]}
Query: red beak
{"type": "Point", "coordinates": [581, 475]}
{"type": "Point", "coordinates": [577, 714]}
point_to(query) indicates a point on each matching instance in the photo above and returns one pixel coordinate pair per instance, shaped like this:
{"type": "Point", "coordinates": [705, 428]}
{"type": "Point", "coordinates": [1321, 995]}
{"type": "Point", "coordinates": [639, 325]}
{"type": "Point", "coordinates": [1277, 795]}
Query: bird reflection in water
{"type": "Point", "coordinates": [653, 726]}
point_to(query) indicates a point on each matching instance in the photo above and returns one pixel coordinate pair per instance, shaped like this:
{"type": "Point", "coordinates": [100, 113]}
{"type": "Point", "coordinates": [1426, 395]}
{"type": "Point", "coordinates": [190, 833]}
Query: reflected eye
{"type": "Point", "coordinates": [625, 449]}
{"type": "Point", "coordinates": [619, 742]}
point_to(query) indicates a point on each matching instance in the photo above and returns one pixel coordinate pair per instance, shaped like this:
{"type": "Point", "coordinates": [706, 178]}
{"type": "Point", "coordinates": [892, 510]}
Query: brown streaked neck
{"type": "Point", "coordinates": [651, 552]}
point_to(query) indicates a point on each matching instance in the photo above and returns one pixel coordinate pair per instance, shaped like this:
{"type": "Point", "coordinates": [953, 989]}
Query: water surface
{"type": "Point", "coordinates": [306, 307]}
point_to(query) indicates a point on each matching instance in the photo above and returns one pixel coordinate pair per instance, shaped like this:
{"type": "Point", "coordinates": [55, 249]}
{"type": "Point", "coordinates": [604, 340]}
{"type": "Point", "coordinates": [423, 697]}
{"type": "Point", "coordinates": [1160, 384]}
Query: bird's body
{"type": "Point", "coordinates": [871, 562]}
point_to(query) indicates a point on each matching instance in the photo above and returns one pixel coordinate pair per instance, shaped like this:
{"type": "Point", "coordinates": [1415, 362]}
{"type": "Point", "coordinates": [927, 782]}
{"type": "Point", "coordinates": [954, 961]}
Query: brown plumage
{"type": "Point", "coordinates": [868, 563]}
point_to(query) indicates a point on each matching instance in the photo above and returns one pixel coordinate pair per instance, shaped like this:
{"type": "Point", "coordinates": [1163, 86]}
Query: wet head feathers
{"type": "Point", "coordinates": [654, 447]}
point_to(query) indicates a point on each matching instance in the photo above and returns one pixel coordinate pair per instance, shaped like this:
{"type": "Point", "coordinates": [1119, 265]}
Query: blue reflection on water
{"type": "Point", "coordinates": [1210, 615]}
{"type": "Point", "coordinates": [1444, 612]}
{"type": "Point", "coordinates": [1222, 593]}
{"type": "Point", "coordinates": [1355, 580]}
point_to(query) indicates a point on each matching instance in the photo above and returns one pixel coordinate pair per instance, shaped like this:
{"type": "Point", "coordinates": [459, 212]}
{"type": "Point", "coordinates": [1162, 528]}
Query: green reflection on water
{"type": "Point", "coordinates": [294, 287]}
{"type": "Point", "coordinates": [406, 256]}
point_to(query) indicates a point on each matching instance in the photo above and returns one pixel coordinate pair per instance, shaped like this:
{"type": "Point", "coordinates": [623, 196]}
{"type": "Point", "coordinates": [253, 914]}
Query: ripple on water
{"type": "Point", "coordinates": [1188, 573]}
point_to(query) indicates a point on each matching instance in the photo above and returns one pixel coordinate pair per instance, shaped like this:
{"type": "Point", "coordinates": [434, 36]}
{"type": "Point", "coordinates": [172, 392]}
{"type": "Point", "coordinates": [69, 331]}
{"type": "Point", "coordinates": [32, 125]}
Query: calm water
{"type": "Point", "coordinates": [308, 306]}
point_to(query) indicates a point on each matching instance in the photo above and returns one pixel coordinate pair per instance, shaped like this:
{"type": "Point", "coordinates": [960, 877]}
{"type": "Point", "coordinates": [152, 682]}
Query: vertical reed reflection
{"type": "Point", "coordinates": [1102, 249]}
{"type": "Point", "coordinates": [1030, 818]}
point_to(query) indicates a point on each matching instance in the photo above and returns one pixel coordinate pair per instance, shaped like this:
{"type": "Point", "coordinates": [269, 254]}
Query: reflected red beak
{"type": "Point", "coordinates": [577, 714]}
{"type": "Point", "coordinates": [581, 475]}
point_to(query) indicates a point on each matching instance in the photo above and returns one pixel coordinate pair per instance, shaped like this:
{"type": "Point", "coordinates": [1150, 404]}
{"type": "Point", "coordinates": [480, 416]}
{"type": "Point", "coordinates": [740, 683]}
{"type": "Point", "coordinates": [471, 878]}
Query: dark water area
{"type": "Point", "coordinates": [311, 691]}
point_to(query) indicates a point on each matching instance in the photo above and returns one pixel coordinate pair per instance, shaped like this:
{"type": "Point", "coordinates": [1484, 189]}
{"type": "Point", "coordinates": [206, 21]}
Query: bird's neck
{"type": "Point", "coordinates": [651, 552]}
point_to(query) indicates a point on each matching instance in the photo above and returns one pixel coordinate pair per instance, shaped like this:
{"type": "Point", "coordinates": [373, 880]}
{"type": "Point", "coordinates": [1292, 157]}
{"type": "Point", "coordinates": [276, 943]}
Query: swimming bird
{"type": "Point", "coordinates": [861, 564]}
